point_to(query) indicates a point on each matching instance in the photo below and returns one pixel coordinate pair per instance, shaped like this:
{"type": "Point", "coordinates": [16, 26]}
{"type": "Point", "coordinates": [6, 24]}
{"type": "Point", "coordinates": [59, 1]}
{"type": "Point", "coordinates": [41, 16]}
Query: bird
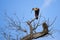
{"type": "Point", "coordinates": [36, 12]}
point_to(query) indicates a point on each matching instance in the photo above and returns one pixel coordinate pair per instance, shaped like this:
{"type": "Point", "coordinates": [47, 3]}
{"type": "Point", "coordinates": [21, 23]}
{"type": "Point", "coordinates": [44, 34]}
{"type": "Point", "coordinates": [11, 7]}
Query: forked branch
{"type": "Point", "coordinates": [36, 35]}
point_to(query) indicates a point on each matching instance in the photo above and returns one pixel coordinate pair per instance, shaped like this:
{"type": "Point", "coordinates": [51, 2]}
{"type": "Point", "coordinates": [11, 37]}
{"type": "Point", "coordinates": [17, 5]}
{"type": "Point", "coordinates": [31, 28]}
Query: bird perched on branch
{"type": "Point", "coordinates": [36, 12]}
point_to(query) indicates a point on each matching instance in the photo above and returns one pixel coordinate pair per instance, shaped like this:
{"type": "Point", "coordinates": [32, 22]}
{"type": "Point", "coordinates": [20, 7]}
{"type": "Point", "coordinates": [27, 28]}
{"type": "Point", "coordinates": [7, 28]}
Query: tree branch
{"type": "Point", "coordinates": [35, 35]}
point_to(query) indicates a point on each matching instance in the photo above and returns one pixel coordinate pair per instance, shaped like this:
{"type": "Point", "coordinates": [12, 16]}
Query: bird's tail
{"type": "Point", "coordinates": [36, 17]}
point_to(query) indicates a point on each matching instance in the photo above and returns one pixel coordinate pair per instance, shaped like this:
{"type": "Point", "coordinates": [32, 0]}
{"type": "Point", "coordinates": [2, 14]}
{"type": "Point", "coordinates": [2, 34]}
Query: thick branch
{"type": "Point", "coordinates": [36, 35]}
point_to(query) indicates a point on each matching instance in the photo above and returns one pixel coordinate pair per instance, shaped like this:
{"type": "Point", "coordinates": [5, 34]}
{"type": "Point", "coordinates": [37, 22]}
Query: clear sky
{"type": "Point", "coordinates": [48, 8]}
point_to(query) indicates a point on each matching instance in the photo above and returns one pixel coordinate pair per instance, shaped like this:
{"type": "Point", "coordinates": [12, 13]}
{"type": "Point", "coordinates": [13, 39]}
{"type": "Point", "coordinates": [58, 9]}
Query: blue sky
{"type": "Point", "coordinates": [48, 8]}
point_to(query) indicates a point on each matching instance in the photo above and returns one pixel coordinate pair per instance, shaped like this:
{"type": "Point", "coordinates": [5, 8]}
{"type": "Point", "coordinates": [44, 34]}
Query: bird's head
{"type": "Point", "coordinates": [35, 9]}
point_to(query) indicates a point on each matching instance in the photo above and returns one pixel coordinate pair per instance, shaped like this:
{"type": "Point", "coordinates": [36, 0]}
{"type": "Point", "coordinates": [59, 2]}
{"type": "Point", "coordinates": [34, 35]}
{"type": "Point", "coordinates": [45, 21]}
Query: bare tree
{"type": "Point", "coordinates": [12, 24]}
